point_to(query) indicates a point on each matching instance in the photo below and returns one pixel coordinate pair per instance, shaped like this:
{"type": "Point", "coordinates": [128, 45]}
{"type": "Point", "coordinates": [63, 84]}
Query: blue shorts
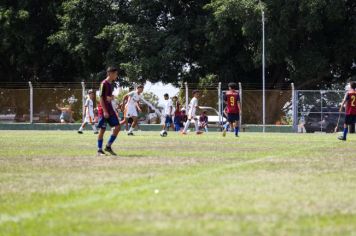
{"type": "Point", "coordinates": [350, 119]}
{"type": "Point", "coordinates": [233, 117]}
{"type": "Point", "coordinates": [168, 120]}
{"type": "Point", "coordinates": [176, 120]}
{"type": "Point", "coordinates": [112, 121]}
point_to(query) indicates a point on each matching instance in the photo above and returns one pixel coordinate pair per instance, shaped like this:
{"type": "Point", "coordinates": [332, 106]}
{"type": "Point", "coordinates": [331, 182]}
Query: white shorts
{"type": "Point", "coordinates": [191, 113]}
{"type": "Point", "coordinates": [131, 111]}
{"type": "Point", "coordinates": [89, 119]}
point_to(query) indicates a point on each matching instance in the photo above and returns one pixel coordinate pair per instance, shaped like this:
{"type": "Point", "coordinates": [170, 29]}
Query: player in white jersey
{"type": "Point", "coordinates": [168, 113]}
{"type": "Point", "coordinates": [132, 107]}
{"type": "Point", "coordinates": [193, 105]}
{"type": "Point", "coordinates": [89, 113]}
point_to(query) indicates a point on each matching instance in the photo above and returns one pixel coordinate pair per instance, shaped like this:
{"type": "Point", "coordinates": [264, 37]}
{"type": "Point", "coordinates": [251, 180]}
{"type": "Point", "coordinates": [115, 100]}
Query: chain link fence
{"type": "Point", "coordinates": [306, 110]}
{"type": "Point", "coordinates": [318, 110]}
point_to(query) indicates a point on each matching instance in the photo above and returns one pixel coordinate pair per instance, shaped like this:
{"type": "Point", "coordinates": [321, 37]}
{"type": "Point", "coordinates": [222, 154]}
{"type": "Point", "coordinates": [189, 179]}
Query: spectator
{"type": "Point", "coordinates": [66, 114]}
{"type": "Point", "coordinates": [203, 121]}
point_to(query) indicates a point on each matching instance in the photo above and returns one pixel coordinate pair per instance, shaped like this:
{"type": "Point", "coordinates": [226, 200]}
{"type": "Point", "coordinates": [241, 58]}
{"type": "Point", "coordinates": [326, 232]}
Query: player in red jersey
{"type": "Point", "coordinates": [107, 113]}
{"type": "Point", "coordinates": [233, 108]}
{"type": "Point", "coordinates": [350, 109]}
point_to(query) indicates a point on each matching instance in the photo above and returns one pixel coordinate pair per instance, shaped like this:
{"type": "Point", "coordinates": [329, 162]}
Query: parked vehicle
{"type": "Point", "coordinates": [7, 114]}
{"type": "Point", "coordinates": [213, 115]}
{"type": "Point", "coordinates": [324, 121]}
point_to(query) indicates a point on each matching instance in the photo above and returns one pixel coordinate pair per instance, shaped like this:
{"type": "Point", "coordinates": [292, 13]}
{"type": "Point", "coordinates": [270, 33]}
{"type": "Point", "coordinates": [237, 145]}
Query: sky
{"type": "Point", "coordinates": [160, 89]}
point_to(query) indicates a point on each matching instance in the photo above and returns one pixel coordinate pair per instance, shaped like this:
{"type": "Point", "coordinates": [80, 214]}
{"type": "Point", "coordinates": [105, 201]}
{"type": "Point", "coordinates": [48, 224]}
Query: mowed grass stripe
{"type": "Point", "coordinates": [273, 184]}
{"type": "Point", "coordinates": [85, 200]}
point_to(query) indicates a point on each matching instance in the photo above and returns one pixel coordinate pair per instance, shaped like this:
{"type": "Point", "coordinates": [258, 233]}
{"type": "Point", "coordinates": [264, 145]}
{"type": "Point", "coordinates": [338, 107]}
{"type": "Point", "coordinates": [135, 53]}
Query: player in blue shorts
{"type": "Point", "coordinates": [107, 113]}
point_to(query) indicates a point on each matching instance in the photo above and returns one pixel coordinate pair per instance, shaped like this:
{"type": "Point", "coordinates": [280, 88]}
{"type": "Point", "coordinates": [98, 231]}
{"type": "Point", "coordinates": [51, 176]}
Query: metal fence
{"type": "Point", "coordinates": [315, 110]}
{"type": "Point", "coordinates": [318, 110]}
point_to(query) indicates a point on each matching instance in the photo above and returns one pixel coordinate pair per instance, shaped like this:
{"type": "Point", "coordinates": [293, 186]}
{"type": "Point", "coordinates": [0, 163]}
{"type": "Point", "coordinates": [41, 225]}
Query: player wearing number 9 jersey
{"type": "Point", "coordinates": [350, 109]}
{"type": "Point", "coordinates": [232, 101]}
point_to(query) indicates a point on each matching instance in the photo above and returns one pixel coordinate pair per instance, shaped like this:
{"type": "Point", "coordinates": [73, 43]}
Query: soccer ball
{"type": "Point", "coordinates": [163, 133]}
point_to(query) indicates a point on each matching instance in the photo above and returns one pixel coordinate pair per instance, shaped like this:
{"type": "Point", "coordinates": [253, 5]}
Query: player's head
{"type": "Point", "coordinates": [232, 86]}
{"type": "Point", "coordinates": [353, 85]}
{"type": "Point", "coordinates": [112, 72]}
{"type": "Point", "coordinates": [91, 93]}
{"type": "Point", "coordinates": [203, 113]}
{"type": "Point", "coordinates": [183, 111]}
{"type": "Point", "coordinates": [166, 96]}
{"type": "Point", "coordinates": [140, 88]}
{"type": "Point", "coordinates": [174, 98]}
{"type": "Point", "coordinates": [131, 89]}
{"type": "Point", "coordinates": [196, 93]}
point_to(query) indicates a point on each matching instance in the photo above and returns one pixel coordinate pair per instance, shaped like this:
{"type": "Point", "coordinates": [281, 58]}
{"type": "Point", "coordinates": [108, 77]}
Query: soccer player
{"type": "Point", "coordinates": [183, 119]}
{"type": "Point", "coordinates": [232, 101]}
{"type": "Point", "coordinates": [89, 113]}
{"type": "Point", "coordinates": [350, 109]}
{"type": "Point", "coordinates": [107, 113]}
{"type": "Point", "coordinates": [203, 121]}
{"type": "Point", "coordinates": [193, 105]}
{"type": "Point", "coordinates": [168, 112]}
{"type": "Point", "coordinates": [132, 107]}
{"type": "Point", "coordinates": [177, 113]}
{"type": "Point", "coordinates": [125, 121]}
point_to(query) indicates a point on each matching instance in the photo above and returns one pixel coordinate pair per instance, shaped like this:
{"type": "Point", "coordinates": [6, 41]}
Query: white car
{"type": "Point", "coordinates": [212, 113]}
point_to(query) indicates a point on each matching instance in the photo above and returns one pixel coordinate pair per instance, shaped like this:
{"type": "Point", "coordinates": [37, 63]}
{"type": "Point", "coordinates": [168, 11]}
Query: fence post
{"type": "Point", "coordinates": [220, 103]}
{"type": "Point", "coordinates": [294, 109]}
{"type": "Point", "coordinates": [240, 92]}
{"type": "Point", "coordinates": [186, 96]}
{"type": "Point", "coordinates": [83, 100]}
{"type": "Point", "coordinates": [31, 101]}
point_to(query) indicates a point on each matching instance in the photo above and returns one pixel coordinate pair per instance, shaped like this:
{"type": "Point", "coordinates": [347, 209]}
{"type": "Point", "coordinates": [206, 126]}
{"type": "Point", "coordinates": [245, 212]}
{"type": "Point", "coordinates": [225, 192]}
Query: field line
{"type": "Point", "coordinates": [6, 218]}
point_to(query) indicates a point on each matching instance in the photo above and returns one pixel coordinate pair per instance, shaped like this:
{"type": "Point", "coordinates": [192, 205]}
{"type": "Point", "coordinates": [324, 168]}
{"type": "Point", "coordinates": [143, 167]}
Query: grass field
{"type": "Point", "coordinates": [51, 183]}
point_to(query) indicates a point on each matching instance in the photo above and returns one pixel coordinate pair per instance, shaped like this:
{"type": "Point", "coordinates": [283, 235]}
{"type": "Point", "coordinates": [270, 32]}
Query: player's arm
{"type": "Point", "coordinates": [60, 108]}
{"type": "Point", "coordinates": [238, 103]}
{"type": "Point", "coordinates": [86, 107]}
{"type": "Point", "coordinates": [138, 107]}
{"type": "Point", "coordinates": [224, 98]}
{"type": "Point", "coordinates": [342, 104]}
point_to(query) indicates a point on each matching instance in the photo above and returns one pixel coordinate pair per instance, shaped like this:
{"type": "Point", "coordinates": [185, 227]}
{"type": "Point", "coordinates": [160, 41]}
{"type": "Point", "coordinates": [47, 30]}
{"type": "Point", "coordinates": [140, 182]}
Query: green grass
{"type": "Point", "coordinates": [51, 183]}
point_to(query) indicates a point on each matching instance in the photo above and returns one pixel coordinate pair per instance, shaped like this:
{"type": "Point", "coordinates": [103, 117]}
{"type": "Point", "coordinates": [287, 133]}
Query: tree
{"type": "Point", "coordinates": [24, 49]}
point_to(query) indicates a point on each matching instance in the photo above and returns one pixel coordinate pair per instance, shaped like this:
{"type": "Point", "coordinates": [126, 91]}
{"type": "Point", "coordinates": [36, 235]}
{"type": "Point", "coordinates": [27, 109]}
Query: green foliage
{"type": "Point", "coordinates": [310, 42]}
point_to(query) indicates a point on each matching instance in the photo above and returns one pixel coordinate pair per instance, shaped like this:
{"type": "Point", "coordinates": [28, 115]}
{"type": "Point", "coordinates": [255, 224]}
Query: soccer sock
{"type": "Point", "coordinates": [94, 128]}
{"type": "Point", "coordinates": [186, 126]}
{"type": "Point", "coordinates": [131, 129]}
{"type": "Point", "coordinates": [345, 132]}
{"type": "Point", "coordinates": [206, 129]}
{"type": "Point", "coordinates": [111, 140]}
{"type": "Point", "coordinates": [100, 144]}
{"type": "Point", "coordinates": [81, 128]}
{"type": "Point", "coordinates": [196, 126]}
{"type": "Point", "coordinates": [237, 130]}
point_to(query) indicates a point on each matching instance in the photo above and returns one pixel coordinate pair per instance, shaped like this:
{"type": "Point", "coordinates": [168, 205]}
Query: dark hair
{"type": "Point", "coordinates": [353, 85]}
{"type": "Point", "coordinates": [140, 86]}
{"type": "Point", "coordinates": [112, 69]}
{"type": "Point", "coordinates": [90, 91]}
{"type": "Point", "coordinates": [195, 91]}
{"type": "Point", "coordinates": [166, 95]}
{"type": "Point", "coordinates": [232, 85]}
